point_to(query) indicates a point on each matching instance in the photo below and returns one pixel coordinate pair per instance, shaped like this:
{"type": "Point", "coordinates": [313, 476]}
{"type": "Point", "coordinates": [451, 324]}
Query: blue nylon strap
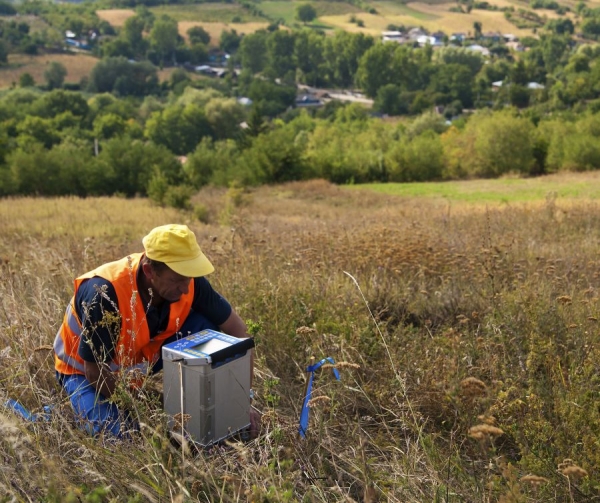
{"type": "Point", "coordinates": [303, 428]}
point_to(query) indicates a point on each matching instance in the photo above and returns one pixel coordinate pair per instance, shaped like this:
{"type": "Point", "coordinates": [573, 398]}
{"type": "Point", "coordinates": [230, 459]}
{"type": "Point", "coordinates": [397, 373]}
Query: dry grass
{"type": "Point", "coordinates": [77, 65]}
{"type": "Point", "coordinates": [36, 23]}
{"type": "Point", "coordinates": [215, 29]}
{"type": "Point", "coordinates": [466, 332]}
{"type": "Point", "coordinates": [449, 22]}
{"type": "Point", "coordinates": [115, 17]}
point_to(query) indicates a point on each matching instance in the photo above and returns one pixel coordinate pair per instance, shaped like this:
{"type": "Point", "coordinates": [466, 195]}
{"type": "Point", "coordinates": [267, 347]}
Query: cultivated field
{"type": "Point", "coordinates": [286, 10]}
{"type": "Point", "coordinates": [115, 17]}
{"type": "Point", "coordinates": [336, 15]}
{"type": "Point", "coordinates": [213, 20]}
{"type": "Point", "coordinates": [78, 65]}
{"type": "Point", "coordinates": [433, 17]}
{"type": "Point", "coordinates": [466, 336]}
{"type": "Point", "coordinates": [36, 23]}
{"type": "Point", "coordinates": [215, 29]}
{"type": "Point", "coordinates": [207, 12]}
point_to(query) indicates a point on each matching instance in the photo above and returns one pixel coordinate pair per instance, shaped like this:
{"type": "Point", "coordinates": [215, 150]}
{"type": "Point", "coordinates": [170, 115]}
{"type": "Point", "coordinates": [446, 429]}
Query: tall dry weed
{"type": "Point", "coordinates": [466, 314]}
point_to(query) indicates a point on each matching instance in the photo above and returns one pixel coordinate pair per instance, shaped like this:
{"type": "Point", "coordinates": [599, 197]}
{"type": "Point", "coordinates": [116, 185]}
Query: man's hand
{"type": "Point", "coordinates": [100, 377]}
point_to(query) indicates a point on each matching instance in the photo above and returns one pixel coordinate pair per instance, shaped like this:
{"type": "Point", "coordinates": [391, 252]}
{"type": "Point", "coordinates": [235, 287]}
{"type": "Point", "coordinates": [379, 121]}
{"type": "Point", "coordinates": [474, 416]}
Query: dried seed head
{"type": "Point", "coordinates": [341, 365]}
{"type": "Point", "coordinates": [569, 469]}
{"type": "Point", "coordinates": [484, 431]}
{"type": "Point", "coordinates": [305, 331]}
{"type": "Point", "coordinates": [322, 399]}
{"type": "Point", "coordinates": [472, 387]}
{"type": "Point", "coordinates": [534, 480]}
{"type": "Point", "coordinates": [491, 420]}
{"type": "Point", "coordinates": [564, 299]}
{"type": "Point", "coordinates": [181, 420]}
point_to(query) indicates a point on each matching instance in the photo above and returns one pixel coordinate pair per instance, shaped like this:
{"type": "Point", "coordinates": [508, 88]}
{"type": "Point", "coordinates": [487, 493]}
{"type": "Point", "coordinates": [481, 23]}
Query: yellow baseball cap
{"type": "Point", "coordinates": [176, 246]}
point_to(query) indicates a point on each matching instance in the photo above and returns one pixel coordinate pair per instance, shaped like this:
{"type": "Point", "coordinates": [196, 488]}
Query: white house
{"type": "Point", "coordinates": [484, 51]}
{"type": "Point", "coordinates": [393, 36]}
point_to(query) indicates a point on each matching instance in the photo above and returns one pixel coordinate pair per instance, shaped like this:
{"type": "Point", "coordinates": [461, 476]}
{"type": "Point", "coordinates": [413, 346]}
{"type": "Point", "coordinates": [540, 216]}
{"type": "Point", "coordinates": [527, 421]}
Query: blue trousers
{"type": "Point", "coordinates": [94, 412]}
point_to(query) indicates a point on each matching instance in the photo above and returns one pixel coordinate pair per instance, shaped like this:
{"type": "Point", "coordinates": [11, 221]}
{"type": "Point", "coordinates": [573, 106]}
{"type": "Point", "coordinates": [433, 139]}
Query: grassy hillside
{"type": "Point", "coordinates": [431, 15]}
{"type": "Point", "coordinates": [214, 18]}
{"type": "Point", "coordinates": [77, 65]}
{"type": "Point", "coordinates": [465, 334]}
{"type": "Point", "coordinates": [564, 186]}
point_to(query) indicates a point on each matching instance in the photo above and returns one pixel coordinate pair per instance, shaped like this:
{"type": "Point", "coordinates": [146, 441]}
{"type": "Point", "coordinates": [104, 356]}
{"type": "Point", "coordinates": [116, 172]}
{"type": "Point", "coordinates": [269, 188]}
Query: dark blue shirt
{"type": "Point", "coordinates": [96, 306]}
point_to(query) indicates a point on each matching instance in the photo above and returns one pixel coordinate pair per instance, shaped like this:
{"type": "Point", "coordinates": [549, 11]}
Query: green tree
{"type": "Point", "coordinates": [198, 54]}
{"type": "Point", "coordinates": [460, 55]}
{"type": "Point", "coordinates": [76, 166]}
{"type": "Point", "coordinates": [6, 9]}
{"type": "Point", "coordinates": [276, 157]}
{"type": "Point", "coordinates": [26, 80]}
{"type": "Point", "coordinates": [375, 70]}
{"type": "Point", "coordinates": [590, 27]}
{"type": "Point", "coordinates": [519, 74]}
{"type": "Point", "coordinates": [280, 50]}
{"type": "Point", "coordinates": [3, 52]}
{"type": "Point", "coordinates": [389, 100]}
{"type": "Point", "coordinates": [561, 26]}
{"type": "Point", "coordinates": [121, 76]}
{"type": "Point", "coordinates": [256, 122]}
{"type": "Point", "coordinates": [518, 96]}
{"type": "Point", "coordinates": [555, 49]}
{"type": "Point", "coordinates": [37, 130]}
{"type": "Point", "coordinates": [253, 51]}
{"type": "Point", "coordinates": [452, 82]}
{"type": "Point", "coordinates": [416, 160]}
{"type": "Point", "coordinates": [272, 98]}
{"type": "Point", "coordinates": [117, 47]}
{"type": "Point", "coordinates": [305, 13]}
{"type": "Point", "coordinates": [133, 34]}
{"type": "Point", "coordinates": [55, 75]}
{"type": "Point", "coordinates": [198, 35]}
{"type": "Point", "coordinates": [225, 116]}
{"type": "Point", "coordinates": [428, 121]}
{"type": "Point", "coordinates": [108, 125]}
{"type": "Point", "coordinates": [342, 52]}
{"type": "Point", "coordinates": [229, 41]}
{"type": "Point", "coordinates": [33, 171]}
{"type": "Point", "coordinates": [179, 128]}
{"type": "Point", "coordinates": [503, 143]}
{"type": "Point", "coordinates": [211, 162]}
{"type": "Point", "coordinates": [164, 38]}
{"type": "Point", "coordinates": [309, 57]}
{"type": "Point", "coordinates": [60, 101]}
{"type": "Point", "coordinates": [133, 163]}
{"type": "Point", "coordinates": [143, 13]}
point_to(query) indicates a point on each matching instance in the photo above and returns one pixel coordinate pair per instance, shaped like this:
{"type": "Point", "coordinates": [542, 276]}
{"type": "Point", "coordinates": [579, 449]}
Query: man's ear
{"type": "Point", "coordinates": [147, 269]}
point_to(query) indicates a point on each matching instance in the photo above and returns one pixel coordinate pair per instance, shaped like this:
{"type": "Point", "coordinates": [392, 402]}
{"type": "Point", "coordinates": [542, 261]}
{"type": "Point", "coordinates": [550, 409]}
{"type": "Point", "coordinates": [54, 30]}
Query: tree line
{"type": "Point", "coordinates": [122, 131]}
{"type": "Point", "coordinates": [58, 143]}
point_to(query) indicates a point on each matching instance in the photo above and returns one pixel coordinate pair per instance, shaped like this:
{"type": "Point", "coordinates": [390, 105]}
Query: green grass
{"type": "Point", "coordinates": [493, 191]}
{"type": "Point", "coordinates": [208, 13]}
{"type": "Point", "coordinates": [286, 10]}
{"type": "Point", "coordinates": [400, 9]}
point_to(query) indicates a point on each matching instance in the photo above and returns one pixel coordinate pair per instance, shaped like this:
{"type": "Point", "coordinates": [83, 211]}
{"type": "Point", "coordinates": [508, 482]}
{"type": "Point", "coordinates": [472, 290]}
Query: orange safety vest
{"type": "Point", "coordinates": [135, 348]}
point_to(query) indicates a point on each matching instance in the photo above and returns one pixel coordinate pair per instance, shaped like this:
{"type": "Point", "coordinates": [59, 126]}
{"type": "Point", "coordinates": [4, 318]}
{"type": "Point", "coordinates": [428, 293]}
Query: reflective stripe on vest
{"type": "Point", "coordinates": [134, 349]}
{"type": "Point", "coordinates": [59, 346]}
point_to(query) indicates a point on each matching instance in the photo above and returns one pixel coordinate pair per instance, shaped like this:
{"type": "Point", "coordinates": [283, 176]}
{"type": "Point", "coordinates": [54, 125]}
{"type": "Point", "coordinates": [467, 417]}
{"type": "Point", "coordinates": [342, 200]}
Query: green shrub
{"type": "Point", "coordinates": [179, 197]}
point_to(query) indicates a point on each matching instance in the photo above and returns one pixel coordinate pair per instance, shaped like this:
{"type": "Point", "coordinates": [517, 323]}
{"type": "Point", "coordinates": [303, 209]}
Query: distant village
{"type": "Point", "coordinates": [309, 97]}
{"type": "Point", "coordinates": [419, 37]}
